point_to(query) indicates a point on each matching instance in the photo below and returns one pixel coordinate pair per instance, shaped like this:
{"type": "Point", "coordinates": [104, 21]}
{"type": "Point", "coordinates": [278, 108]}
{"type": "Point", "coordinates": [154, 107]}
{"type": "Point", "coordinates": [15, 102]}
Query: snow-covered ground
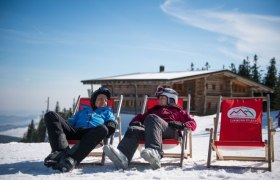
{"type": "Point", "coordinates": [15, 132]}
{"type": "Point", "coordinates": [25, 161]}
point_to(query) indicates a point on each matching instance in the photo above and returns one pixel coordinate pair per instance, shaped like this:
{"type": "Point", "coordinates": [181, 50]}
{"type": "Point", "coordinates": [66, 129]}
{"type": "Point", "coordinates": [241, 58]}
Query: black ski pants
{"type": "Point", "coordinates": [59, 131]}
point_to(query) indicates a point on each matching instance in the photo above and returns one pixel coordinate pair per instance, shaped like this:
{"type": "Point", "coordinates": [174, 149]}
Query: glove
{"type": "Point", "coordinates": [189, 125]}
{"type": "Point", "coordinates": [136, 123]}
{"type": "Point", "coordinates": [176, 124]}
{"type": "Point", "coordinates": [111, 125]}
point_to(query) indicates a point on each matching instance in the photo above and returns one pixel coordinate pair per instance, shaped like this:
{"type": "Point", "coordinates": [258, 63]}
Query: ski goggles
{"type": "Point", "coordinates": [161, 90]}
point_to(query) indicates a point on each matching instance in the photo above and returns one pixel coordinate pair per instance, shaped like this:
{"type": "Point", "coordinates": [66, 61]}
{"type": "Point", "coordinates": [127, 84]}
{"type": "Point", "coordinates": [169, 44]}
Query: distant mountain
{"type": "Point", "coordinates": [7, 139]}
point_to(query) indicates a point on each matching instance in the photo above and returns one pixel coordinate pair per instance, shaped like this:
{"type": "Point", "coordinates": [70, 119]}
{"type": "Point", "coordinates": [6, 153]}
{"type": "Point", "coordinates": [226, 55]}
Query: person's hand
{"type": "Point", "coordinates": [189, 125]}
{"type": "Point", "coordinates": [111, 125]}
{"type": "Point", "coordinates": [136, 123]}
{"type": "Point", "coordinates": [176, 124]}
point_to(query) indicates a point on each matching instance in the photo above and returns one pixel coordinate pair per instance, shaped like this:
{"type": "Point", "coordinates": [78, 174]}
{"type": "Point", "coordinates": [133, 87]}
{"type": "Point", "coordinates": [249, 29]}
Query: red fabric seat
{"type": "Point", "coordinates": [241, 123]}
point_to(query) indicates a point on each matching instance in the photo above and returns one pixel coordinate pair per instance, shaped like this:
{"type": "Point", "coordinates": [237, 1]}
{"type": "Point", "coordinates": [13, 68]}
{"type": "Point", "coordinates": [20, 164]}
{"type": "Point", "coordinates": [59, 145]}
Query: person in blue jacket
{"type": "Point", "coordinates": [89, 125]}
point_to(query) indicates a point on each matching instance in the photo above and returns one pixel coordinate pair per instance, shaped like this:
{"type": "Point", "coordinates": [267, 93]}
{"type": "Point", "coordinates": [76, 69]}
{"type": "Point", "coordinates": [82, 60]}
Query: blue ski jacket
{"type": "Point", "coordinates": [89, 118]}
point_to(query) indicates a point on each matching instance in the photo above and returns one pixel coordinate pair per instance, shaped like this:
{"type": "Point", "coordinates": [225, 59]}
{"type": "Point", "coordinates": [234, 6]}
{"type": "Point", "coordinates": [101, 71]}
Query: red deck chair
{"type": "Point", "coordinates": [241, 129]}
{"type": "Point", "coordinates": [112, 102]}
{"type": "Point", "coordinates": [185, 142]}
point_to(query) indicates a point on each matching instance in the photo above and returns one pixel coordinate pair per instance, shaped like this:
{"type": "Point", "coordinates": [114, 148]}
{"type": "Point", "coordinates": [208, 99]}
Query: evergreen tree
{"type": "Point", "coordinates": [232, 68]}
{"type": "Point", "coordinates": [31, 134]}
{"type": "Point", "coordinates": [64, 113]}
{"type": "Point", "coordinates": [276, 99]}
{"type": "Point", "coordinates": [70, 112]}
{"type": "Point", "coordinates": [192, 66]}
{"type": "Point", "coordinates": [41, 130]}
{"type": "Point", "coordinates": [270, 78]}
{"type": "Point", "coordinates": [207, 66]}
{"type": "Point", "coordinates": [57, 107]}
{"type": "Point", "coordinates": [244, 69]}
{"type": "Point", "coordinates": [256, 75]}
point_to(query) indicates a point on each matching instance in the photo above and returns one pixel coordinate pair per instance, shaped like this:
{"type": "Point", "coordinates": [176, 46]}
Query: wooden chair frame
{"type": "Point", "coordinates": [269, 143]}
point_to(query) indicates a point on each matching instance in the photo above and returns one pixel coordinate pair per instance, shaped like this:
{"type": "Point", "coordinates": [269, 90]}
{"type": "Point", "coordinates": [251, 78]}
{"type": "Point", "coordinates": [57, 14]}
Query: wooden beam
{"type": "Point", "coordinates": [244, 158]}
{"type": "Point", "coordinates": [204, 95]}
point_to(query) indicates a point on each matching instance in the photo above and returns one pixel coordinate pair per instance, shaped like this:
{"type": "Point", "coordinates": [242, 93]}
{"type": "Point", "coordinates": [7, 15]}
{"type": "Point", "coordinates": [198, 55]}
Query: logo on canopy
{"type": "Point", "coordinates": [242, 114]}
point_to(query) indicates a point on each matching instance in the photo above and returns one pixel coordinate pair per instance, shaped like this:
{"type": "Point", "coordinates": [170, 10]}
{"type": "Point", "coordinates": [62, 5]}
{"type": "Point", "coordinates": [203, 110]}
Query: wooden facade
{"type": "Point", "coordinates": [204, 88]}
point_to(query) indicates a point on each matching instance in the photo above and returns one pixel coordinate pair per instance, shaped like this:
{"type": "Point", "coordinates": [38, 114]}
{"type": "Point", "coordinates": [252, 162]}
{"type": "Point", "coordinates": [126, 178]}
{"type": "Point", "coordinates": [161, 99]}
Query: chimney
{"type": "Point", "coordinates": [161, 68]}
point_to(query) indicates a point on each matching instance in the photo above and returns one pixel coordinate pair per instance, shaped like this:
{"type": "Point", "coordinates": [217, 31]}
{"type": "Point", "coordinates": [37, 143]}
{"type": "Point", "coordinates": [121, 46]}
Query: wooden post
{"type": "Point", "coordinates": [210, 147]}
{"type": "Point", "coordinates": [189, 104]}
{"type": "Point", "coordinates": [48, 104]}
{"type": "Point", "coordinates": [190, 144]}
{"type": "Point", "coordinates": [230, 86]}
{"type": "Point", "coordinates": [269, 132]}
{"type": "Point", "coordinates": [204, 96]}
{"type": "Point", "coordinates": [119, 118]}
{"type": "Point", "coordinates": [144, 104]}
{"type": "Point", "coordinates": [135, 103]}
{"type": "Point", "coordinates": [91, 87]}
{"type": "Point", "coordinates": [272, 132]}
{"type": "Point", "coordinates": [217, 118]}
{"type": "Point", "coordinates": [183, 147]}
{"type": "Point", "coordinates": [252, 92]}
{"type": "Point", "coordinates": [76, 105]}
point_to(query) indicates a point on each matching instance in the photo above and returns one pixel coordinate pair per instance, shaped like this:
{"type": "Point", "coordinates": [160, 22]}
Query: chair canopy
{"type": "Point", "coordinates": [241, 122]}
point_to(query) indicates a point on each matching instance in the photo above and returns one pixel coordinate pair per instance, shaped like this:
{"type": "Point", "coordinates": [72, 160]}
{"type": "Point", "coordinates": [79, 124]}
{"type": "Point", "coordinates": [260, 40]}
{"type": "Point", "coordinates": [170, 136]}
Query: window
{"type": "Point", "coordinates": [209, 105]}
{"type": "Point", "coordinates": [214, 86]}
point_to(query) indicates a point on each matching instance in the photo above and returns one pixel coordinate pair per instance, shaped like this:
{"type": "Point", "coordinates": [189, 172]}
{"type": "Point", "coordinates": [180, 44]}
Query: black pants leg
{"type": "Point", "coordinates": [157, 129]}
{"type": "Point", "coordinates": [59, 131]}
{"type": "Point", "coordinates": [57, 128]}
{"type": "Point", "coordinates": [90, 139]}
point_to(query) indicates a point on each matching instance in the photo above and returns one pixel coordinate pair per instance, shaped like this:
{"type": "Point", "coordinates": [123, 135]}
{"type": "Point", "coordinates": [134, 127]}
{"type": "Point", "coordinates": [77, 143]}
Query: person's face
{"type": "Point", "coordinates": [101, 101]}
{"type": "Point", "coordinates": [162, 100]}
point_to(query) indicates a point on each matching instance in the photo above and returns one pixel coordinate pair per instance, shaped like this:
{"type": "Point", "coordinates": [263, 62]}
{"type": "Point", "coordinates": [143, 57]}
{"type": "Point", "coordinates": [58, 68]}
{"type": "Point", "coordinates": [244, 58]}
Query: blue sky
{"type": "Point", "coordinates": [48, 47]}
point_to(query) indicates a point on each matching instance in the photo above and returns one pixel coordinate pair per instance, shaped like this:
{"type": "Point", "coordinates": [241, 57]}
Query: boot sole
{"type": "Point", "coordinates": [114, 157]}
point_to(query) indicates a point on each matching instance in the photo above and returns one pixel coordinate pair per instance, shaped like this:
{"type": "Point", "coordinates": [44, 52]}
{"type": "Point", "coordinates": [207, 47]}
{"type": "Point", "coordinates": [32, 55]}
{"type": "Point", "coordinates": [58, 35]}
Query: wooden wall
{"type": "Point", "coordinates": [204, 92]}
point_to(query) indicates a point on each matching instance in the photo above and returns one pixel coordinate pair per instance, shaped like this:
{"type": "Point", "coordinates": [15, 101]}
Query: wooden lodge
{"type": "Point", "coordinates": [203, 86]}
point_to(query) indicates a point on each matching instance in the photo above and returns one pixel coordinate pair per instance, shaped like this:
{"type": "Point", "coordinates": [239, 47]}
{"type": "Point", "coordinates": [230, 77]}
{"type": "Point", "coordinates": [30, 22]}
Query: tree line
{"type": "Point", "coordinates": [270, 78]}
{"type": "Point", "coordinates": [252, 71]}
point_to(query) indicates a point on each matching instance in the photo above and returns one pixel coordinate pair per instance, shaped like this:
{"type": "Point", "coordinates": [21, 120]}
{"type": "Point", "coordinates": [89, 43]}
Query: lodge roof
{"type": "Point", "coordinates": [173, 76]}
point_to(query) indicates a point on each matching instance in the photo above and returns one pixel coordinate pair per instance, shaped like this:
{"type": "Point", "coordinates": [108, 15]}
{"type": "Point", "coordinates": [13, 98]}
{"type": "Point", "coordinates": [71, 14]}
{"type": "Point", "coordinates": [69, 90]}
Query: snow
{"type": "Point", "coordinates": [16, 132]}
{"type": "Point", "coordinates": [25, 161]}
